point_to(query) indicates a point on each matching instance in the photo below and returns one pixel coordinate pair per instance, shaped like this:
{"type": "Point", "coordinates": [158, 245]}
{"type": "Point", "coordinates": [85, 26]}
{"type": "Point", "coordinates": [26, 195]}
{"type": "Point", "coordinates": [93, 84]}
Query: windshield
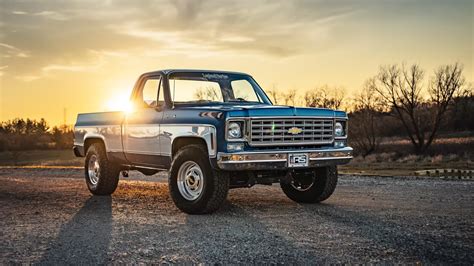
{"type": "Point", "coordinates": [204, 87]}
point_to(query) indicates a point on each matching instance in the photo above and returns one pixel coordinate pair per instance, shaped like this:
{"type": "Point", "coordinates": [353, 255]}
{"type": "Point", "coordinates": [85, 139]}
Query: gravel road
{"type": "Point", "coordinates": [48, 216]}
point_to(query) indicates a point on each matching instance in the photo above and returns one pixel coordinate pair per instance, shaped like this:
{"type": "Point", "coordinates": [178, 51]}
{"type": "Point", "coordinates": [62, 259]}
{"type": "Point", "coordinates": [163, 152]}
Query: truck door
{"type": "Point", "coordinates": [141, 127]}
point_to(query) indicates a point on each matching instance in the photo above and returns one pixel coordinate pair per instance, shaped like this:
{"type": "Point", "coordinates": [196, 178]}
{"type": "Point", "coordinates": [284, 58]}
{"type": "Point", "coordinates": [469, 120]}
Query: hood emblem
{"type": "Point", "coordinates": [295, 130]}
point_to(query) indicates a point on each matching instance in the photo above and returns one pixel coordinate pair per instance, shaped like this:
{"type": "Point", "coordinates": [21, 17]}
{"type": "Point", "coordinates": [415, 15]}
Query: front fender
{"type": "Point", "coordinates": [171, 132]}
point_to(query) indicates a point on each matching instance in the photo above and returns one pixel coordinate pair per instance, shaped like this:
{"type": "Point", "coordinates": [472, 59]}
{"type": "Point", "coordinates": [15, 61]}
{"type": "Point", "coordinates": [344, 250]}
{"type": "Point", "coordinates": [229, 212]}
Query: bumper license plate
{"type": "Point", "coordinates": [298, 160]}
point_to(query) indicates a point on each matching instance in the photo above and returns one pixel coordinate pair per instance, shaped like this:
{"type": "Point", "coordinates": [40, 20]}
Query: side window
{"type": "Point", "coordinates": [150, 92]}
{"type": "Point", "coordinates": [243, 90]}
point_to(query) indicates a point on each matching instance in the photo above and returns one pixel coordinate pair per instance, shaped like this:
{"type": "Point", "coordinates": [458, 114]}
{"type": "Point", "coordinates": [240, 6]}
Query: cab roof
{"type": "Point", "coordinates": [169, 71]}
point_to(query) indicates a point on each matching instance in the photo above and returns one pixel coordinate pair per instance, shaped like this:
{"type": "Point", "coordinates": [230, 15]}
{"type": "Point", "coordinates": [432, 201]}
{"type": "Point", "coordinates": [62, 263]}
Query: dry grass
{"type": "Point", "coordinates": [444, 145]}
{"type": "Point", "coordinates": [395, 156]}
{"type": "Point", "coordinates": [391, 164]}
{"type": "Point", "coordinates": [41, 158]}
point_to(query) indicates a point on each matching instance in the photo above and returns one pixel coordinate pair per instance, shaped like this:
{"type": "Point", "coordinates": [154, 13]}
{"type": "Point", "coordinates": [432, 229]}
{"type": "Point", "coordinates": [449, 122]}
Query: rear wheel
{"type": "Point", "coordinates": [194, 187]}
{"type": "Point", "coordinates": [312, 188]}
{"type": "Point", "coordinates": [102, 176]}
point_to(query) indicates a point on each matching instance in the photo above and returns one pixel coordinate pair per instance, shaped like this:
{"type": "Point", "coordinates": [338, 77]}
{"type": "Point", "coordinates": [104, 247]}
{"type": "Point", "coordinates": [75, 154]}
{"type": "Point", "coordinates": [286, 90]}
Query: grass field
{"type": "Point", "coordinates": [40, 158]}
{"type": "Point", "coordinates": [385, 164]}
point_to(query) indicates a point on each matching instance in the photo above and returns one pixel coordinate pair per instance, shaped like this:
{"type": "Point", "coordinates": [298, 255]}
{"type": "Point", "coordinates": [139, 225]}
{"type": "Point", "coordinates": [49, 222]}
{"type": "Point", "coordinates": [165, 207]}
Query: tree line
{"type": "Point", "coordinates": [30, 134]}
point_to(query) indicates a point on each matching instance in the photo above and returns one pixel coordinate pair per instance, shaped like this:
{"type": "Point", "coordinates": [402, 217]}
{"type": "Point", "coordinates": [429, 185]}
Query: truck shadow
{"type": "Point", "coordinates": [242, 238]}
{"type": "Point", "coordinates": [86, 237]}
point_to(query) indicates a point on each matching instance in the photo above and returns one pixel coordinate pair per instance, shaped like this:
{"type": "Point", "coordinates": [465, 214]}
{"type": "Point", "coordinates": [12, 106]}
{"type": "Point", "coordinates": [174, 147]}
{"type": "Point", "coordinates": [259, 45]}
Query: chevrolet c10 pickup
{"type": "Point", "coordinates": [212, 131]}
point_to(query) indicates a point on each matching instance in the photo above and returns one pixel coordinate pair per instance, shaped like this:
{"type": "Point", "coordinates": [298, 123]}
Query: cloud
{"type": "Point", "coordinates": [51, 33]}
{"type": "Point", "coordinates": [12, 51]}
{"type": "Point", "coordinates": [236, 39]}
{"type": "Point", "coordinates": [52, 15]}
{"type": "Point", "coordinates": [22, 55]}
{"type": "Point", "coordinates": [9, 47]}
{"type": "Point", "coordinates": [28, 78]}
{"type": "Point", "coordinates": [70, 67]}
{"type": "Point", "coordinates": [49, 70]}
{"type": "Point", "coordinates": [211, 27]}
{"type": "Point", "coordinates": [19, 12]}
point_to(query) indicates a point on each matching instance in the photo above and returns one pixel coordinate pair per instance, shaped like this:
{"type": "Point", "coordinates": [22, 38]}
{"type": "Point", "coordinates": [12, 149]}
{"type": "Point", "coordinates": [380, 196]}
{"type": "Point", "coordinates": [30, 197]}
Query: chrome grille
{"type": "Point", "coordinates": [265, 132]}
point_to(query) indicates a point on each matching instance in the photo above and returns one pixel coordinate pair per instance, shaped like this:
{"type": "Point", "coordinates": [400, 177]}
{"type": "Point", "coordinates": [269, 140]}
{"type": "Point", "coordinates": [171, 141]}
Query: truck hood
{"type": "Point", "coordinates": [262, 110]}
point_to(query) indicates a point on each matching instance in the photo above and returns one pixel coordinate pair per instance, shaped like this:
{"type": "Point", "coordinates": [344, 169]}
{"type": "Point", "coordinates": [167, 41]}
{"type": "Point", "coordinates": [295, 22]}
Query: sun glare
{"type": "Point", "coordinates": [119, 102]}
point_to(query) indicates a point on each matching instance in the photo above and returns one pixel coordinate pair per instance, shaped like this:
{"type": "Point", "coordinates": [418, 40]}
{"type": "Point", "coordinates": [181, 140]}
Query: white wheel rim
{"type": "Point", "coordinates": [190, 180]}
{"type": "Point", "coordinates": [93, 170]}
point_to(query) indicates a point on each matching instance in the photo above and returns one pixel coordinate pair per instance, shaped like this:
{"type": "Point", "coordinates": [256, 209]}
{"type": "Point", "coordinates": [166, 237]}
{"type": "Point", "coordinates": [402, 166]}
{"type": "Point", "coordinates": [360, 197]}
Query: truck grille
{"type": "Point", "coordinates": [265, 132]}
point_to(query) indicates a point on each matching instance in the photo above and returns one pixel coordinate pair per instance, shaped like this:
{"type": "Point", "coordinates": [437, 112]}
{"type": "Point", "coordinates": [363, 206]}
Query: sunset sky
{"type": "Point", "coordinates": [81, 55]}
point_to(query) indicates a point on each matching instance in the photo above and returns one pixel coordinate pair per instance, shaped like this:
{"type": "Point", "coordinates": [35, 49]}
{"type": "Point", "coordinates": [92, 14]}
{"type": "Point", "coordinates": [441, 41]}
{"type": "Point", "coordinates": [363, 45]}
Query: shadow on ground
{"type": "Point", "coordinates": [85, 239]}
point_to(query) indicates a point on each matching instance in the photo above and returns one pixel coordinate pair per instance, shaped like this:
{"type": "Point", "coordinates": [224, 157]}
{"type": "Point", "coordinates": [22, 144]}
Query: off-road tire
{"type": "Point", "coordinates": [216, 183]}
{"type": "Point", "coordinates": [108, 174]}
{"type": "Point", "coordinates": [322, 188]}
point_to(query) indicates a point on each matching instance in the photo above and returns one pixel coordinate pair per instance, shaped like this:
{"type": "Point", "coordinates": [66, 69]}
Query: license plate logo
{"type": "Point", "coordinates": [298, 160]}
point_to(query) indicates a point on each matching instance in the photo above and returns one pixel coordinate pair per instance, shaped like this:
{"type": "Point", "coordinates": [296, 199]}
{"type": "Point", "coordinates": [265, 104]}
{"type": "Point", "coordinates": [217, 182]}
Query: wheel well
{"type": "Point", "coordinates": [91, 141]}
{"type": "Point", "coordinates": [184, 141]}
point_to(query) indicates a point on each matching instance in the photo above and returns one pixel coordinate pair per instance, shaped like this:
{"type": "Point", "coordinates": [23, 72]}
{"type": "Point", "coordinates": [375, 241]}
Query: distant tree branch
{"type": "Point", "coordinates": [401, 88]}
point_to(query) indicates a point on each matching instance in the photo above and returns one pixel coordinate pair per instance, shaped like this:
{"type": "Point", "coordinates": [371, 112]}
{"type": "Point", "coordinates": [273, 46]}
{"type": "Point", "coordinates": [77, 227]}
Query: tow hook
{"type": "Point", "coordinates": [125, 173]}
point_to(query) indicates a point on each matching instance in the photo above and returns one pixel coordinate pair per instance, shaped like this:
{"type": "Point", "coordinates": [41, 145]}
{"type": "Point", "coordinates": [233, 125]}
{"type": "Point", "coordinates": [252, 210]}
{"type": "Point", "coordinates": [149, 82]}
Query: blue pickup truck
{"type": "Point", "coordinates": [212, 131]}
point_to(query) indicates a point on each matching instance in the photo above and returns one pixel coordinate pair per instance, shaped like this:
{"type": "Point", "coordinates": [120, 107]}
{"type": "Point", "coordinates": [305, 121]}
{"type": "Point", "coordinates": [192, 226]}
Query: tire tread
{"type": "Point", "coordinates": [109, 172]}
{"type": "Point", "coordinates": [220, 186]}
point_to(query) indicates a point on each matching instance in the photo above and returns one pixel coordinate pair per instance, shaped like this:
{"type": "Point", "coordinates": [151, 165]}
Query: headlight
{"type": "Point", "coordinates": [338, 129]}
{"type": "Point", "coordinates": [234, 130]}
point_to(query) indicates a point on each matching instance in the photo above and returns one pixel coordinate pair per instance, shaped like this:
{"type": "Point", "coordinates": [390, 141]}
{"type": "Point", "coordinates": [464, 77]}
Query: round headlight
{"type": "Point", "coordinates": [338, 129]}
{"type": "Point", "coordinates": [234, 131]}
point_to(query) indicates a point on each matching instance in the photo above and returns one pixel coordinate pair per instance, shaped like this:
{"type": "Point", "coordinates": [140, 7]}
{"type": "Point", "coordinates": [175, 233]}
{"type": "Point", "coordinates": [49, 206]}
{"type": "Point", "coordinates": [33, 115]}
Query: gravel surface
{"type": "Point", "coordinates": [48, 216]}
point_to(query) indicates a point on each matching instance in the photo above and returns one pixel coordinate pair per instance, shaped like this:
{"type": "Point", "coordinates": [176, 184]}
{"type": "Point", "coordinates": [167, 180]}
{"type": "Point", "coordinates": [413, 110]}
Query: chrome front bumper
{"type": "Point", "coordinates": [278, 160]}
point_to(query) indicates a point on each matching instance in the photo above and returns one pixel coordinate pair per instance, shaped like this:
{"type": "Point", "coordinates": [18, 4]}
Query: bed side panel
{"type": "Point", "coordinates": [106, 126]}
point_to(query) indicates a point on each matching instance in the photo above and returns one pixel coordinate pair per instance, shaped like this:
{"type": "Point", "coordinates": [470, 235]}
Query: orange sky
{"type": "Point", "coordinates": [83, 55]}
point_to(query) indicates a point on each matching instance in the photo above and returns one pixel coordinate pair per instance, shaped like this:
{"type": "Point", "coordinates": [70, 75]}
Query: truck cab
{"type": "Point", "coordinates": [212, 131]}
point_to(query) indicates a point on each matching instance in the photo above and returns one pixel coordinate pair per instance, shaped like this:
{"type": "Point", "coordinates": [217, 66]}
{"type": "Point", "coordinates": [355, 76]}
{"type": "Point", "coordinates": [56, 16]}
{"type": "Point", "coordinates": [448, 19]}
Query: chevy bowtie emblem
{"type": "Point", "coordinates": [295, 130]}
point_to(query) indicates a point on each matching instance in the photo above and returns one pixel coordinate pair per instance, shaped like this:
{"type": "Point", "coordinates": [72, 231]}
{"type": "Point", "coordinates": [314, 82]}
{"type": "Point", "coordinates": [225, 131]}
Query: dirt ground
{"type": "Point", "coordinates": [49, 217]}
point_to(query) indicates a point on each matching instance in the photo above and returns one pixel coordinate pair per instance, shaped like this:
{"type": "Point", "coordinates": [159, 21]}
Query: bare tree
{"type": "Point", "coordinates": [365, 120]}
{"type": "Point", "coordinates": [401, 90]}
{"type": "Point", "coordinates": [325, 97]}
{"type": "Point", "coordinates": [206, 93]}
{"type": "Point", "coordinates": [274, 94]}
{"type": "Point", "coordinates": [447, 81]}
{"type": "Point", "coordinates": [289, 97]}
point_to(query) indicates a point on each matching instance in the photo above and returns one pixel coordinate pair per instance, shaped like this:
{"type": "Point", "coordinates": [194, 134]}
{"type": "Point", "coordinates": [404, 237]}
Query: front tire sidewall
{"type": "Point", "coordinates": [209, 199]}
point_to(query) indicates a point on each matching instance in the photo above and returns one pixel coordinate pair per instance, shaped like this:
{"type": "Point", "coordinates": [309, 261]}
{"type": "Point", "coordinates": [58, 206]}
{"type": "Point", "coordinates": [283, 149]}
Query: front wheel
{"type": "Point", "coordinates": [315, 187]}
{"type": "Point", "coordinates": [194, 187]}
